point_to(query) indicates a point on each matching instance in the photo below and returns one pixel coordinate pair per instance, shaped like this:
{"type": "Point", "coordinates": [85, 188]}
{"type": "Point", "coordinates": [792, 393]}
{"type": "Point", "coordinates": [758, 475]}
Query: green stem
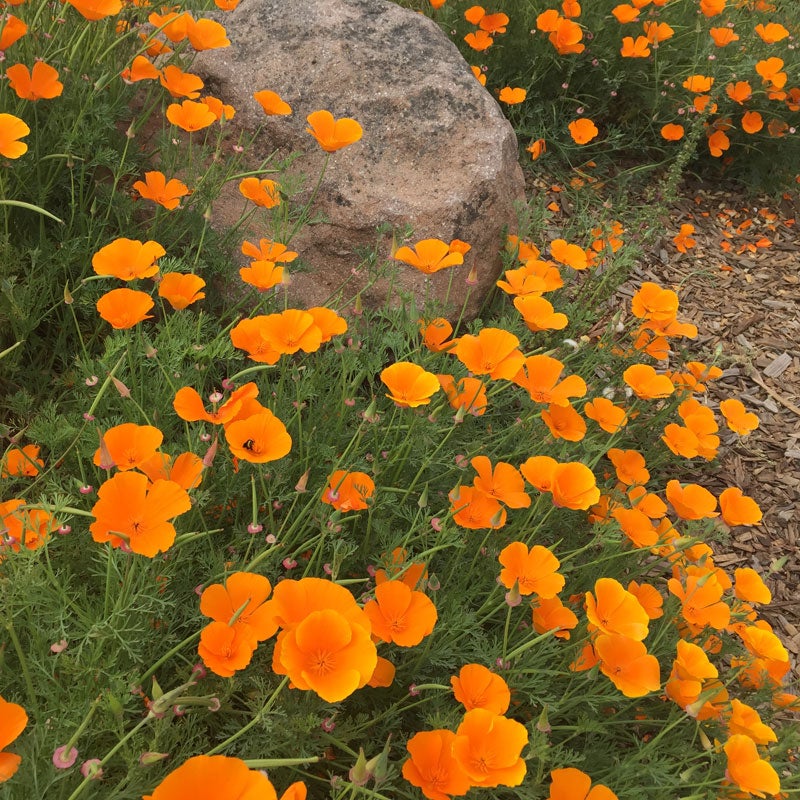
{"type": "Point", "coordinates": [23, 663]}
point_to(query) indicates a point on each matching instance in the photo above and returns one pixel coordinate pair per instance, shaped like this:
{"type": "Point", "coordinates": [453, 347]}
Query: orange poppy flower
{"type": "Point", "coordinates": [432, 767]}
{"type": "Point", "coordinates": [40, 83]}
{"type": "Point", "coordinates": [190, 116]}
{"type": "Point", "coordinates": [573, 486]}
{"type": "Point", "coordinates": [492, 352]}
{"type": "Point", "coordinates": [382, 677]}
{"type": "Point", "coordinates": [614, 610]}
{"type": "Point", "coordinates": [540, 374]}
{"type": "Point", "coordinates": [750, 586]}
{"type": "Point", "coordinates": [624, 13]}
{"type": "Point", "coordinates": [698, 84]}
{"type": "Point", "coordinates": [711, 8]}
{"type": "Point", "coordinates": [220, 777]}
{"type": "Point", "coordinates": [750, 773]}
{"type": "Point", "coordinates": [538, 314]}
{"type": "Point", "coordinates": [333, 134]}
{"type": "Point", "coordinates": [128, 259]}
{"type": "Point", "coordinates": [701, 601]}
{"type": "Point", "coordinates": [263, 192]}
{"type": "Point", "coordinates": [566, 37]}
{"type": "Point", "coordinates": [512, 96]}
{"type": "Point", "coordinates": [646, 383]}
{"type": "Point", "coordinates": [12, 129]}
{"type": "Point", "coordinates": [129, 511]}
{"type": "Point", "coordinates": [397, 569]}
{"type": "Point", "coordinates": [157, 188]}
{"type": "Point", "coordinates": [96, 9]}
{"type": "Point", "coordinates": [218, 108]}
{"type": "Point", "coordinates": [772, 32]}
{"type": "Point", "coordinates": [672, 132]}
{"type": "Point", "coordinates": [737, 417]}
{"type": "Point", "coordinates": [609, 417]}
{"type": "Point", "coordinates": [572, 784]}
{"type": "Point", "coordinates": [475, 686]}
{"type": "Point", "coordinates": [629, 465]}
{"type": "Point", "coordinates": [429, 256]}
{"type": "Point", "coordinates": [189, 406]}
{"type": "Point", "coordinates": [186, 470]}
{"type": "Point", "coordinates": [746, 720]}
{"type": "Point", "coordinates": [467, 393]}
{"type": "Point", "coordinates": [348, 491]}
{"type": "Point", "coordinates": [571, 8]}
{"type": "Point", "coordinates": [141, 69]}
{"type": "Point", "coordinates": [479, 40]}
{"type": "Point", "coordinates": [657, 32]}
{"type": "Point", "coordinates": [330, 324]}
{"type": "Point", "coordinates": [12, 29]}
{"type": "Point", "coordinates": [400, 614]}
{"type": "Point", "coordinates": [569, 254]}
{"type": "Point", "coordinates": [740, 92]}
{"type": "Point", "coordinates": [179, 83]}
{"type": "Point", "coordinates": [650, 504]}
{"type": "Point", "coordinates": [487, 747]}
{"type": "Point", "coordinates": [691, 672]}
{"type": "Point", "coordinates": [582, 130]}
{"type": "Point", "coordinates": [723, 36]}
{"type": "Point", "coordinates": [13, 720]}
{"type": "Point", "coordinates": [435, 334]}
{"type": "Point", "coordinates": [173, 25]}
{"type": "Point", "coordinates": [327, 654]}
{"type": "Point", "coordinates": [738, 509]}
{"type": "Point", "coordinates": [770, 71]}
{"type": "Point", "coordinates": [244, 596]}
{"type": "Point", "coordinates": [752, 122]}
{"type": "Point", "coordinates": [502, 482]}
{"type": "Point", "coordinates": [537, 149]}
{"type": "Point", "coordinates": [409, 384]}
{"type": "Point", "coordinates": [249, 335]}
{"type": "Point", "coordinates": [272, 103]}
{"type": "Point", "coordinates": [564, 422]}
{"type": "Point", "coordinates": [475, 510]}
{"type": "Point", "coordinates": [258, 439]}
{"type": "Point", "coordinates": [21, 462]}
{"type": "Point", "coordinates": [181, 289]}
{"type": "Point", "coordinates": [225, 649]}
{"type": "Point", "coordinates": [263, 275]}
{"type": "Point", "coordinates": [533, 571]}
{"type": "Point", "coordinates": [718, 143]}
{"type": "Point", "coordinates": [635, 48]}
{"type": "Point", "coordinates": [649, 598]}
{"type": "Point", "coordinates": [628, 665]}
{"type": "Point", "coordinates": [206, 34]}
{"type": "Point", "coordinates": [539, 472]}
{"type": "Point", "coordinates": [124, 308]}
{"type": "Point", "coordinates": [691, 501]}
{"type": "Point", "coordinates": [128, 445]}
{"type": "Point", "coordinates": [684, 242]}
{"type": "Point", "coordinates": [636, 525]}
{"type": "Point", "coordinates": [550, 614]}
{"type": "Point", "coordinates": [25, 527]}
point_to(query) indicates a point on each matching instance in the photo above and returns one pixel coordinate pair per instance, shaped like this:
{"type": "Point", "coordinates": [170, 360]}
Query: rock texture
{"type": "Point", "coordinates": [437, 153]}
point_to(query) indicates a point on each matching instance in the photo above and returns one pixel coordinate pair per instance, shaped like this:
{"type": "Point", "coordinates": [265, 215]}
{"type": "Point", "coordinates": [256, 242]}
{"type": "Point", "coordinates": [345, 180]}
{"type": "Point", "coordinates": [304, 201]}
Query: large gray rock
{"type": "Point", "coordinates": [437, 153]}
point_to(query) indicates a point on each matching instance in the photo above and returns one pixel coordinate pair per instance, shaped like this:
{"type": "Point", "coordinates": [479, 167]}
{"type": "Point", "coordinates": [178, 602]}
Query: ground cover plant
{"type": "Point", "coordinates": [258, 551]}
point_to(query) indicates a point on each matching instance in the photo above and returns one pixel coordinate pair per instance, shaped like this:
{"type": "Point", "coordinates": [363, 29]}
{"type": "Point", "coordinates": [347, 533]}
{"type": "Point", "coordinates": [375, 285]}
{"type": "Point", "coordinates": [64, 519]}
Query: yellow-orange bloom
{"type": "Point", "coordinates": [190, 116]}
{"type": "Point", "coordinates": [40, 83]}
{"type": "Point", "coordinates": [583, 130]}
{"type": "Point", "coordinates": [156, 187]}
{"type": "Point", "coordinates": [429, 256]}
{"type": "Point", "coordinates": [333, 134]}
{"type": "Point", "coordinates": [263, 192]}
{"type": "Point", "coordinates": [432, 767]}
{"type": "Point", "coordinates": [572, 784]}
{"type": "Point", "coordinates": [96, 9]}
{"type": "Point", "coordinates": [272, 103]}
{"type": "Point", "coordinates": [475, 686]}
{"type": "Point", "coordinates": [181, 289]}
{"type": "Point", "coordinates": [128, 259]}
{"type": "Point", "coordinates": [13, 720]}
{"type": "Point", "coordinates": [409, 384]}
{"type": "Point", "coordinates": [12, 129]}
{"type": "Point", "coordinates": [124, 308]}
{"type": "Point", "coordinates": [400, 614]}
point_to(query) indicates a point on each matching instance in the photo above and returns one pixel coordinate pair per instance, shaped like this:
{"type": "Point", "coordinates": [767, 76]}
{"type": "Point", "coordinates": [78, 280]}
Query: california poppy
{"type": "Point", "coordinates": [475, 510]}
{"type": "Point", "coordinates": [128, 445]}
{"type": "Point", "coordinates": [629, 465]}
{"type": "Point", "coordinates": [502, 481]}
{"type": "Point", "coordinates": [512, 96]}
{"type": "Point", "coordinates": [243, 595]}
{"type": "Point", "coordinates": [569, 254]}
{"type": "Point", "coordinates": [128, 259]}
{"type": "Point", "coordinates": [141, 69]}
{"type": "Point", "coordinates": [672, 132]}
{"type": "Point", "coordinates": [130, 511]}
{"type": "Point", "coordinates": [533, 571]}
{"type": "Point", "coordinates": [175, 26]}
{"type": "Point", "coordinates": [435, 334]}
{"type": "Point", "coordinates": [738, 509]}
{"type": "Point", "coordinates": [401, 615]}
{"type": "Point", "coordinates": [649, 598]}
{"type": "Point", "coordinates": [583, 130]}
{"type": "Point", "coordinates": [249, 335]}
{"type": "Point", "coordinates": [13, 720]}
{"type": "Point", "coordinates": [646, 383]}
{"type": "Point", "coordinates": [628, 665]}
{"type": "Point", "coordinates": [566, 37]}
{"type": "Point", "coordinates": [657, 32]}
{"type": "Point", "coordinates": [179, 83]}
{"type": "Point", "coordinates": [190, 115]}
{"type": "Point", "coordinates": [327, 654]}
{"type": "Point", "coordinates": [206, 34]}
{"type": "Point", "coordinates": [25, 527]}
{"type": "Point", "coordinates": [124, 308]}
{"type": "Point", "coordinates": [752, 122]}
{"type": "Point", "coordinates": [225, 649]}
{"type": "Point", "coordinates": [267, 250]}
{"type": "Point", "coordinates": [723, 36]}
{"type": "Point", "coordinates": [12, 29]}
{"type": "Point", "coordinates": [468, 393]}
{"type": "Point", "coordinates": [96, 9]}
{"type": "Point", "coordinates": [539, 315]}
{"type": "Point", "coordinates": [772, 32]}
{"type": "Point", "coordinates": [691, 501]}
{"type": "Point", "coordinates": [221, 111]}
{"type": "Point", "coordinates": [747, 770]}
{"type": "Point", "coordinates": [475, 686]}
{"type": "Point", "coordinates": [635, 48]}
{"type": "Point", "coordinates": [40, 83]}
{"type": "Point", "coordinates": [263, 192]}
{"type": "Point", "coordinates": [189, 406]}
{"type": "Point", "coordinates": [611, 418]}
{"type": "Point", "coordinates": [23, 461]}
{"type": "Point", "coordinates": [746, 720]}
{"type": "Point", "coordinates": [220, 777]}
{"type": "Point", "coordinates": [258, 439]}
{"type": "Point", "coordinates": [701, 601]}
{"type": "Point", "coordinates": [737, 417]}
{"type": "Point", "coordinates": [186, 469]}
{"type": "Point", "coordinates": [550, 614]}
{"type": "Point", "coordinates": [333, 134]}
{"type": "Point", "coordinates": [614, 610]}
{"type": "Point", "coordinates": [328, 322]}
{"type": "Point", "coordinates": [348, 491]}
{"type": "Point", "coordinates": [409, 384]}
{"type": "Point", "coordinates": [540, 376]}
{"type": "Point", "coordinates": [432, 766]}
{"type": "Point", "coordinates": [574, 486]}
{"type": "Point", "coordinates": [572, 784]}
{"type": "Point", "coordinates": [429, 256]}
{"type": "Point", "coordinates": [487, 747]}
{"type": "Point", "coordinates": [564, 422]}
{"type": "Point", "coordinates": [181, 289]}
{"type": "Point", "coordinates": [12, 129]}
{"type": "Point", "coordinates": [156, 187]}
{"type": "Point", "coordinates": [750, 586]}
{"type": "Point", "coordinates": [272, 104]}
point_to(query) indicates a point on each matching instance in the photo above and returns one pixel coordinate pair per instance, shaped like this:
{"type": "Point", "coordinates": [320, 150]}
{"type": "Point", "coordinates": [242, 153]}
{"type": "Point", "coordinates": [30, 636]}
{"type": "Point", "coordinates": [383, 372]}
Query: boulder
{"type": "Point", "coordinates": [437, 154]}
